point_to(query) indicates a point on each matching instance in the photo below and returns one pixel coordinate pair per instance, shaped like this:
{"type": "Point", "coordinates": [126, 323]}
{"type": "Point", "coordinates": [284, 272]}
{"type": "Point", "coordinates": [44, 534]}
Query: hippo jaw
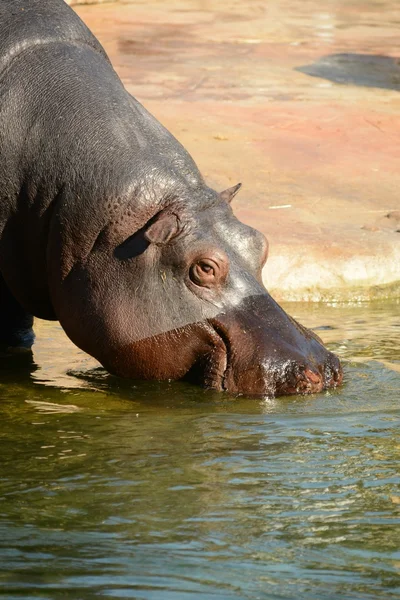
{"type": "Point", "coordinates": [215, 356]}
{"type": "Point", "coordinates": [254, 349]}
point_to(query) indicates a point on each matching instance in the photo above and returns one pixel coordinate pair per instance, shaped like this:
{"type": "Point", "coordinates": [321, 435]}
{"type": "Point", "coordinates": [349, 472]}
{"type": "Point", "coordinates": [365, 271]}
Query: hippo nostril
{"type": "Point", "coordinates": [333, 373]}
{"type": "Point", "coordinates": [312, 377]}
{"type": "Point", "coordinates": [310, 382]}
{"type": "Point", "coordinates": [302, 380]}
{"type": "Point", "coordinates": [337, 375]}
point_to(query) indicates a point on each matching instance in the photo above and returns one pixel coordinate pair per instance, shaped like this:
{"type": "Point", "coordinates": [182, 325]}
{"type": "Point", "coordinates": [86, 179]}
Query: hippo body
{"type": "Point", "coordinates": [107, 225]}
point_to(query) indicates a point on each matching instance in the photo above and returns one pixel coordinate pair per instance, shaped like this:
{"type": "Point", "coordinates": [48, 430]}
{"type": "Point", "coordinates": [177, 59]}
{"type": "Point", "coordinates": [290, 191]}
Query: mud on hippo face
{"type": "Point", "coordinates": [183, 298]}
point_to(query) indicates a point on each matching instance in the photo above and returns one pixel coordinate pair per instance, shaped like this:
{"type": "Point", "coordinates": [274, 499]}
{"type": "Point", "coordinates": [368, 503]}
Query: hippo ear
{"type": "Point", "coordinates": [230, 193]}
{"type": "Point", "coordinates": [163, 229]}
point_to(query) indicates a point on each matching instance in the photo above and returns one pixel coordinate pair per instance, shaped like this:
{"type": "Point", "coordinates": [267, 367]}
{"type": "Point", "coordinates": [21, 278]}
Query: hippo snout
{"type": "Point", "coordinates": [270, 354]}
{"type": "Point", "coordinates": [285, 378]}
{"type": "Point", "coordinates": [295, 378]}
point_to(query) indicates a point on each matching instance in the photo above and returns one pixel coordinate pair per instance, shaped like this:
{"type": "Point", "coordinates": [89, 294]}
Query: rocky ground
{"type": "Point", "coordinates": [297, 99]}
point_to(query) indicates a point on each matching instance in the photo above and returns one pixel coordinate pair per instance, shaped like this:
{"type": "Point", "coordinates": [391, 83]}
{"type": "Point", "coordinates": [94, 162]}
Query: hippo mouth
{"type": "Point", "coordinates": [271, 380]}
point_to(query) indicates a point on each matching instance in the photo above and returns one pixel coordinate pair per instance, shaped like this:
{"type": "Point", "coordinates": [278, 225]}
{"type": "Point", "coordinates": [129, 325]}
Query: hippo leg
{"type": "Point", "coordinates": [16, 333]}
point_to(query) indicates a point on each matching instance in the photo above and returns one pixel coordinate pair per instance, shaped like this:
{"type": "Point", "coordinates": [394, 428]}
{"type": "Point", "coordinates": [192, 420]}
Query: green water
{"type": "Point", "coordinates": [164, 491]}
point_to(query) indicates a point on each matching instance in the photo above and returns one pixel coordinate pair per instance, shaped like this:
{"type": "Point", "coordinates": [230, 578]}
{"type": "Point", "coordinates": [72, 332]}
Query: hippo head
{"type": "Point", "coordinates": [179, 295]}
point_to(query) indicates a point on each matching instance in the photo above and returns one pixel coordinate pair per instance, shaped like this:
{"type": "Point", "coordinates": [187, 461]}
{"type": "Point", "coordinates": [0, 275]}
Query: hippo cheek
{"type": "Point", "coordinates": [270, 354]}
{"type": "Point", "coordinates": [194, 352]}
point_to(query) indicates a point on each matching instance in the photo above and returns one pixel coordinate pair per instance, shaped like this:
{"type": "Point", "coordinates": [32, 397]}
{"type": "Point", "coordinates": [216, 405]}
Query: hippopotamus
{"type": "Point", "coordinates": [107, 226]}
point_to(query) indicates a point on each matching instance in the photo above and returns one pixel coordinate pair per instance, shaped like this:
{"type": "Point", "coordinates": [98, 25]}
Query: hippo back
{"type": "Point", "coordinates": [25, 24]}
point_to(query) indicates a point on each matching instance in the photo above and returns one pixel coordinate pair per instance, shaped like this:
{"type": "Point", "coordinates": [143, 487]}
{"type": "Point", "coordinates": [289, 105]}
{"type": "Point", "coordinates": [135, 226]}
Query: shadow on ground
{"type": "Point", "coordinates": [368, 70]}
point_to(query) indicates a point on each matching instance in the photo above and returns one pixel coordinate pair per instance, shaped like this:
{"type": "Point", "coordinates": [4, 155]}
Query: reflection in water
{"type": "Point", "coordinates": [167, 491]}
{"type": "Point", "coordinates": [357, 69]}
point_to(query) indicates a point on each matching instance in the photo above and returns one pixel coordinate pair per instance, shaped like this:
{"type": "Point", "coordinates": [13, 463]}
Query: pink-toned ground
{"type": "Point", "coordinates": [319, 160]}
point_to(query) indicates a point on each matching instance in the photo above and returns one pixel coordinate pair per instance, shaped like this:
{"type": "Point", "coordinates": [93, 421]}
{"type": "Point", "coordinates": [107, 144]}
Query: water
{"type": "Point", "coordinates": [149, 491]}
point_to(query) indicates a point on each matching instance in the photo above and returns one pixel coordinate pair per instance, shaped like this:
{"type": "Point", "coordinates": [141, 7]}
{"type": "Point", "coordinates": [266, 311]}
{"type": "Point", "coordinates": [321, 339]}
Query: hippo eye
{"type": "Point", "coordinates": [205, 268]}
{"type": "Point", "coordinates": [204, 272]}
